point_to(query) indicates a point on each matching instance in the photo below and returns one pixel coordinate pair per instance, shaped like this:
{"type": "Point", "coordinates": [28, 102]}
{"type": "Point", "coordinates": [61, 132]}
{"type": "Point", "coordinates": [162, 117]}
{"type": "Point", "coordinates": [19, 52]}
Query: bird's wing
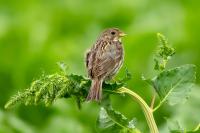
{"type": "Point", "coordinates": [87, 58]}
{"type": "Point", "coordinates": [103, 63]}
{"type": "Point", "coordinates": [89, 61]}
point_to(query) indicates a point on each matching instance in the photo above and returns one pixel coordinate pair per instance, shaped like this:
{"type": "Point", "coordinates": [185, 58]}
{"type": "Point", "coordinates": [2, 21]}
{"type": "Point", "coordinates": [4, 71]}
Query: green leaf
{"type": "Point", "coordinates": [112, 86]}
{"type": "Point", "coordinates": [183, 131]}
{"type": "Point", "coordinates": [174, 85]}
{"type": "Point", "coordinates": [175, 127]}
{"type": "Point", "coordinates": [110, 120]}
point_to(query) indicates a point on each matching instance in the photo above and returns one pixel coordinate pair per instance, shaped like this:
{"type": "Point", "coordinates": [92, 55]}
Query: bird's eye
{"type": "Point", "coordinates": [113, 33]}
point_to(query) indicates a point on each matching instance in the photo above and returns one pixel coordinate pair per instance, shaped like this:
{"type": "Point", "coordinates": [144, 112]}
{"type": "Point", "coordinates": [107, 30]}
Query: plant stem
{"type": "Point", "coordinates": [148, 112]}
{"type": "Point", "coordinates": [153, 100]}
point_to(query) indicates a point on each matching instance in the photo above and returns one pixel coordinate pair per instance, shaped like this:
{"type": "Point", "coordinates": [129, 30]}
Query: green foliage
{"type": "Point", "coordinates": [165, 52]}
{"type": "Point", "coordinates": [171, 85]}
{"type": "Point", "coordinates": [51, 87]}
{"type": "Point", "coordinates": [174, 85]}
{"type": "Point", "coordinates": [34, 34]}
{"type": "Point", "coordinates": [175, 127]}
{"type": "Point", "coordinates": [110, 120]}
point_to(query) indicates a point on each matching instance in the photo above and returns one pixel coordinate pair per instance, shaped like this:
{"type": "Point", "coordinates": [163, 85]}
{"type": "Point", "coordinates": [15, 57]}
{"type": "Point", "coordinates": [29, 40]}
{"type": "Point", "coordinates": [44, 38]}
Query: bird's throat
{"type": "Point", "coordinates": [116, 39]}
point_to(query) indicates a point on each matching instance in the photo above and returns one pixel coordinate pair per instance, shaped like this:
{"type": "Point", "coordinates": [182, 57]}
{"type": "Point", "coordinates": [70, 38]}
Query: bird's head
{"type": "Point", "coordinates": [112, 34]}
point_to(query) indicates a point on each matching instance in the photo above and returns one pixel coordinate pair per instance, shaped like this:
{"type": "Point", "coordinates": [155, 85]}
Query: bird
{"type": "Point", "coordinates": [104, 60]}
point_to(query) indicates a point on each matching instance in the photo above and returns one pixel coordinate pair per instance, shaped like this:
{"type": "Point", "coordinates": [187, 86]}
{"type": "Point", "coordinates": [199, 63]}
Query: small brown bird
{"type": "Point", "coordinates": [104, 60]}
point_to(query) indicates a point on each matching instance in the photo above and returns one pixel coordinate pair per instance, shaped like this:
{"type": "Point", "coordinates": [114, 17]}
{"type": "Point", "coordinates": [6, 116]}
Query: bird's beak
{"type": "Point", "coordinates": [122, 34]}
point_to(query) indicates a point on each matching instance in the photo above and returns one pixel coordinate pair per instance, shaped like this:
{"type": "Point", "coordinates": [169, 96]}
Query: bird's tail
{"type": "Point", "coordinates": [95, 90]}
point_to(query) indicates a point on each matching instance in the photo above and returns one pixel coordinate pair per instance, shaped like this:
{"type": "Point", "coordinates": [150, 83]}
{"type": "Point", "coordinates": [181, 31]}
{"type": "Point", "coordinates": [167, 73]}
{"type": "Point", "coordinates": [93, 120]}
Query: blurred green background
{"type": "Point", "coordinates": [35, 34]}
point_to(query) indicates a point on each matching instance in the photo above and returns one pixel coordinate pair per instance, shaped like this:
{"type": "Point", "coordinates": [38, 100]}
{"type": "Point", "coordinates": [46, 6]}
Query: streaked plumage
{"type": "Point", "coordinates": [104, 60]}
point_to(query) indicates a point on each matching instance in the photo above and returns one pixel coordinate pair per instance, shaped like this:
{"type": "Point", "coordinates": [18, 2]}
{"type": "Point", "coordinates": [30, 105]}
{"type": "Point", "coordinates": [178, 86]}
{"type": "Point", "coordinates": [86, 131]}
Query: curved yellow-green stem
{"type": "Point", "coordinates": [148, 112]}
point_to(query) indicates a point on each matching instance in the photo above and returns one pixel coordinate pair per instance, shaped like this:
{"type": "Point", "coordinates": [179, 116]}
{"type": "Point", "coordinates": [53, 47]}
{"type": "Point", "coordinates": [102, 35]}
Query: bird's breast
{"type": "Point", "coordinates": [113, 49]}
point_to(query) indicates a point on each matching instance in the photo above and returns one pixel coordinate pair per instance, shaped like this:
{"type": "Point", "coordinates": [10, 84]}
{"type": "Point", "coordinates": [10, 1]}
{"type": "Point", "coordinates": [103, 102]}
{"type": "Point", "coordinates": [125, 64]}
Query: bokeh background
{"type": "Point", "coordinates": [35, 34]}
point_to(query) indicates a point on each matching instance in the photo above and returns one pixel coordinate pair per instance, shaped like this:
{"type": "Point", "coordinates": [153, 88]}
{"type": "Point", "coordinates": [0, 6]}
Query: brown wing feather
{"type": "Point", "coordinates": [104, 62]}
{"type": "Point", "coordinates": [87, 58]}
{"type": "Point", "coordinates": [104, 66]}
{"type": "Point", "coordinates": [102, 59]}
